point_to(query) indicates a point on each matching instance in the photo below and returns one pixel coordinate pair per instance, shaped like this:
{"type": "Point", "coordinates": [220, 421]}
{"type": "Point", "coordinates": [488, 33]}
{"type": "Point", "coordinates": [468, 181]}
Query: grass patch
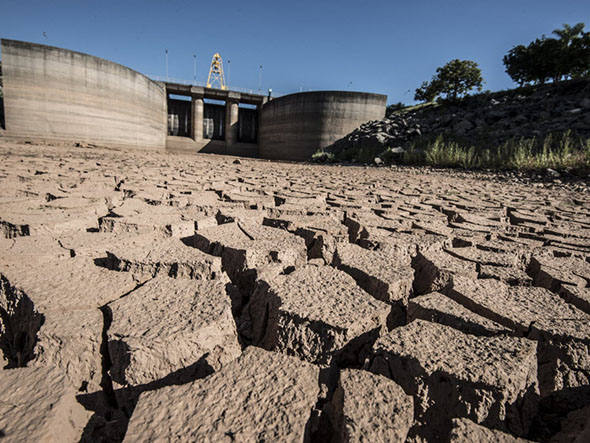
{"type": "Point", "coordinates": [322, 157]}
{"type": "Point", "coordinates": [559, 152]}
{"type": "Point", "coordinates": [563, 151]}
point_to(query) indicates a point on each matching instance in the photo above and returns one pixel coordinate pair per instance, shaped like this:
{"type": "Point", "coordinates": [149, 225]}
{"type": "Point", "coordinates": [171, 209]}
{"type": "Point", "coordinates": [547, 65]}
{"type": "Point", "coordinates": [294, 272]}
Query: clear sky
{"type": "Point", "coordinates": [387, 47]}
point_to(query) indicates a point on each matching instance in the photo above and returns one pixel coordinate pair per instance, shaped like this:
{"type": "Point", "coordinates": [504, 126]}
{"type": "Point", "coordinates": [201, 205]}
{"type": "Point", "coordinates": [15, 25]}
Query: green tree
{"type": "Point", "coordinates": [551, 58]}
{"type": "Point", "coordinates": [454, 80]}
{"type": "Point", "coordinates": [427, 92]}
{"type": "Point", "coordinates": [575, 45]}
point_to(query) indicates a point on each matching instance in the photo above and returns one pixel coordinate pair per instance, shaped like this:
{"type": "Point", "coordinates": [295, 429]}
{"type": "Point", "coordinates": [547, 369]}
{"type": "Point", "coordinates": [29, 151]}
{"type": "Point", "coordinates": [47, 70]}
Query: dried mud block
{"type": "Point", "coordinates": [316, 313]}
{"type": "Point", "coordinates": [568, 277]}
{"type": "Point", "coordinates": [262, 396]}
{"type": "Point", "coordinates": [300, 203]}
{"type": "Point", "coordinates": [490, 380]}
{"type": "Point", "coordinates": [65, 296]}
{"type": "Point", "coordinates": [239, 214]}
{"type": "Point", "coordinates": [387, 277]}
{"type": "Point", "coordinates": [20, 322]}
{"type": "Point", "coordinates": [149, 255]}
{"type": "Point", "coordinates": [559, 327]}
{"type": "Point", "coordinates": [166, 225]}
{"type": "Point", "coordinates": [438, 308]}
{"type": "Point", "coordinates": [410, 242]}
{"type": "Point", "coordinates": [507, 267]}
{"type": "Point", "coordinates": [575, 428]}
{"type": "Point", "coordinates": [136, 216]}
{"type": "Point", "coordinates": [465, 430]}
{"type": "Point", "coordinates": [579, 297]}
{"type": "Point", "coordinates": [169, 324]}
{"type": "Point", "coordinates": [10, 230]}
{"type": "Point", "coordinates": [245, 249]}
{"type": "Point", "coordinates": [365, 226]}
{"type": "Point", "coordinates": [515, 307]}
{"type": "Point", "coordinates": [35, 216]}
{"type": "Point", "coordinates": [435, 269]}
{"type": "Point", "coordinates": [68, 283]}
{"type": "Point", "coordinates": [321, 232]}
{"type": "Point", "coordinates": [370, 407]}
{"type": "Point", "coordinates": [70, 341]}
{"type": "Point", "coordinates": [30, 250]}
{"type": "Point", "coordinates": [249, 199]}
{"type": "Point", "coordinates": [564, 359]}
{"type": "Point", "coordinates": [38, 404]}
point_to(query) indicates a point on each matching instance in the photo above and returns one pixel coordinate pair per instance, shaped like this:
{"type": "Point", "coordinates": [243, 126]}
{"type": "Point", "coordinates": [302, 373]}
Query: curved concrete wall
{"type": "Point", "coordinates": [56, 94]}
{"type": "Point", "coordinates": [295, 126]}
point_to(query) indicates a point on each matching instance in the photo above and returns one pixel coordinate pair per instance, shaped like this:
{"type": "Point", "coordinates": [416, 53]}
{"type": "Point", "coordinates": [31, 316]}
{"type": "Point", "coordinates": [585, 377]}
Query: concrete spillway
{"type": "Point", "coordinates": [53, 94]}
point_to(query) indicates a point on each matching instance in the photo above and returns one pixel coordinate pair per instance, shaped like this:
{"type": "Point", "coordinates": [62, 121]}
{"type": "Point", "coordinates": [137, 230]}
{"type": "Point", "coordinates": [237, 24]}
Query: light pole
{"type": "Point", "coordinates": [260, 79]}
{"type": "Point", "coordinates": [166, 64]}
{"type": "Point", "coordinates": [195, 68]}
{"type": "Point", "coordinates": [228, 71]}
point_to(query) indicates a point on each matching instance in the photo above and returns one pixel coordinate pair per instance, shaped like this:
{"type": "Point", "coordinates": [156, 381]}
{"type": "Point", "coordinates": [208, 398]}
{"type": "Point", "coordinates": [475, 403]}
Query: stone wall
{"type": "Point", "coordinates": [294, 126]}
{"type": "Point", "coordinates": [55, 94]}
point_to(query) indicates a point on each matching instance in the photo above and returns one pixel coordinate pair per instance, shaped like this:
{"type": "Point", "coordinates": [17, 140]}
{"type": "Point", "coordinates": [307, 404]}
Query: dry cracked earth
{"type": "Point", "coordinates": [148, 296]}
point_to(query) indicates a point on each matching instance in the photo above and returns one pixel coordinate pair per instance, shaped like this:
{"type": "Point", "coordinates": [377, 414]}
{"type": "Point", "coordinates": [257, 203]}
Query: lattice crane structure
{"type": "Point", "coordinates": [216, 73]}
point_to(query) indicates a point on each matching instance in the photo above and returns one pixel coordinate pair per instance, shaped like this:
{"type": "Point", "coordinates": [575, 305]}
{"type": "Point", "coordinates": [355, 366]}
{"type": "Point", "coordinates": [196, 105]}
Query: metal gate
{"type": "Point", "coordinates": [179, 117]}
{"type": "Point", "coordinates": [247, 125]}
{"type": "Point", "coordinates": [214, 121]}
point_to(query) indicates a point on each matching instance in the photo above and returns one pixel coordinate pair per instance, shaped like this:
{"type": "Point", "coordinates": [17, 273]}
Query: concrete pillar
{"type": "Point", "coordinates": [259, 117]}
{"type": "Point", "coordinates": [231, 122]}
{"type": "Point", "coordinates": [197, 114]}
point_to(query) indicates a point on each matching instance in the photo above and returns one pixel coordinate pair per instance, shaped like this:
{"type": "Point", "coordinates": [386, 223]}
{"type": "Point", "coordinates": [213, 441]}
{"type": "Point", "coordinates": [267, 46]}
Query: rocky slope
{"type": "Point", "coordinates": [485, 120]}
{"type": "Point", "coordinates": [153, 297]}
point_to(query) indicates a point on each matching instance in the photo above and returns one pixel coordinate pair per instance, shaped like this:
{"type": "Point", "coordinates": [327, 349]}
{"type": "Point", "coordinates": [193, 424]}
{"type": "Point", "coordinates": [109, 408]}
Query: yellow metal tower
{"type": "Point", "coordinates": [216, 72]}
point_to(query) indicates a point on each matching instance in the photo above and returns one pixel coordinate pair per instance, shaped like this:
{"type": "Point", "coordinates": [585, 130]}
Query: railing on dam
{"type": "Point", "coordinates": [274, 93]}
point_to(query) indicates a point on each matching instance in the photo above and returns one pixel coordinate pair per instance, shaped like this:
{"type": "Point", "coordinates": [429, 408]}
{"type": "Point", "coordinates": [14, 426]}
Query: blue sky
{"type": "Point", "coordinates": [387, 47]}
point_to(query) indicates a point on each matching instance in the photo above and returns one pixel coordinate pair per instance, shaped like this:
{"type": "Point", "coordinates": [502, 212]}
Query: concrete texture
{"type": "Point", "coordinates": [60, 95]}
{"type": "Point", "coordinates": [294, 126]}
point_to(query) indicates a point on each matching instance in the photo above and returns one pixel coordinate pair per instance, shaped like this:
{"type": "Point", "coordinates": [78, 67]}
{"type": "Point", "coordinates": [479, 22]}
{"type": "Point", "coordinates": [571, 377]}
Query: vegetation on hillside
{"type": "Point", "coordinates": [556, 151]}
{"type": "Point", "coordinates": [566, 56]}
{"type": "Point", "coordinates": [559, 152]}
{"type": "Point", "coordinates": [562, 57]}
{"type": "Point", "coordinates": [555, 59]}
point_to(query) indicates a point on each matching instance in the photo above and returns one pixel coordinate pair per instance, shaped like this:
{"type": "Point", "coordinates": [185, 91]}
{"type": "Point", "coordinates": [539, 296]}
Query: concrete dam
{"type": "Point", "coordinates": [57, 95]}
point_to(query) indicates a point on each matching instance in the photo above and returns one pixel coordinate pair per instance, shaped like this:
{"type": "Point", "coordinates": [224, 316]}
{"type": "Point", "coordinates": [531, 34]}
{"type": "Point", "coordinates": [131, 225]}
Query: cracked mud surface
{"type": "Point", "coordinates": [149, 297]}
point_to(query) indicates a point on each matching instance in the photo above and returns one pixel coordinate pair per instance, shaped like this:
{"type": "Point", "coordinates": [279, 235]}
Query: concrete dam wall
{"type": "Point", "coordinates": [57, 94]}
{"type": "Point", "coordinates": [294, 126]}
{"type": "Point", "coordinates": [53, 94]}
